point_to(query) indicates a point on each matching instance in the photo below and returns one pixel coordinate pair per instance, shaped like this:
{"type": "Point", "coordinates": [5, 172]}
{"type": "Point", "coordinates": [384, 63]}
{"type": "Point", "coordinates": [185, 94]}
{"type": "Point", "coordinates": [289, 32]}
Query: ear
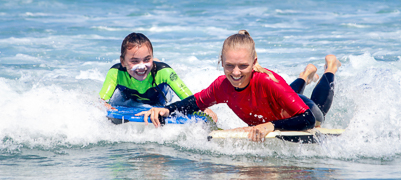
{"type": "Point", "coordinates": [255, 61]}
{"type": "Point", "coordinates": [221, 59]}
{"type": "Point", "coordinates": [122, 61]}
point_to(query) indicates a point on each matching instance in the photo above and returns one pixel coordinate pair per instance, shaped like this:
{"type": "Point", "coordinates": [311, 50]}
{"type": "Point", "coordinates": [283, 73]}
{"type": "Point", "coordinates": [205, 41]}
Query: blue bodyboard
{"type": "Point", "coordinates": [128, 114]}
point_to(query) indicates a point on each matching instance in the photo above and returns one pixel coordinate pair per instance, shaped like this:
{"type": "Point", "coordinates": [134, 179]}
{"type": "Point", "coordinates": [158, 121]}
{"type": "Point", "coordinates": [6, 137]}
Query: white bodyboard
{"type": "Point", "coordinates": [308, 136]}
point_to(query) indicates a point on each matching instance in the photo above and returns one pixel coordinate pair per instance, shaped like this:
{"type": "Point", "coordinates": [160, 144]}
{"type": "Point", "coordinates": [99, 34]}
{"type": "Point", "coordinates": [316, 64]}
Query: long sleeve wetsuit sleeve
{"type": "Point", "coordinates": [186, 106]}
{"type": "Point", "coordinates": [169, 76]}
{"type": "Point", "coordinates": [299, 122]}
{"type": "Point", "coordinates": [110, 83]}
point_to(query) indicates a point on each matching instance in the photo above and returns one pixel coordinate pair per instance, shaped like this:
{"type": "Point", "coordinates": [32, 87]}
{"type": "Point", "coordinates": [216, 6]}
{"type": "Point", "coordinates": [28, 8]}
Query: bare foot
{"type": "Point", "coordinates": [332, 64]}
{"type": "Point", "coordinates": [309, 74]}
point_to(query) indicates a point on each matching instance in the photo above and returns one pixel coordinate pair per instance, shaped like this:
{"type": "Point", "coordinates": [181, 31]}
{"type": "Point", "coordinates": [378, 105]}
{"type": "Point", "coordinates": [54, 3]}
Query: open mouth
{"type": "Point", "coordinates": [140, 73]}
{"type": "Point", "coordinates": [236, 78]}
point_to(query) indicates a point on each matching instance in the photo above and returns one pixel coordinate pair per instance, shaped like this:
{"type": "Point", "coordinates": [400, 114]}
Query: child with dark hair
{"type": "Point", "coordinates": [141, 78]}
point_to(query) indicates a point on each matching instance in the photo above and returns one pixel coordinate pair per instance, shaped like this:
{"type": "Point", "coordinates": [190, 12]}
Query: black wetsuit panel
{"type": "Point", "coordinates": [323, 94]}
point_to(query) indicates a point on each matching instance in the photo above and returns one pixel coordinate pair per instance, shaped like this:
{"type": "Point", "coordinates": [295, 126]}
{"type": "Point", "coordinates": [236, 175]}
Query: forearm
{"type": "Point", "coordinates": [186, 106]}
{"type": "Point", "coordinates": [297, 123]}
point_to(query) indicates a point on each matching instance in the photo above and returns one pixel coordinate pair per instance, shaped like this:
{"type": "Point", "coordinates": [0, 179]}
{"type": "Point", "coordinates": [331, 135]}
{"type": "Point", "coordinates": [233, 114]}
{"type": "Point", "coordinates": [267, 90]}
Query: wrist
{"type": "Point", "coordinates": [267, 126]}
{"type": "Point", "coordinates": [170, 109]}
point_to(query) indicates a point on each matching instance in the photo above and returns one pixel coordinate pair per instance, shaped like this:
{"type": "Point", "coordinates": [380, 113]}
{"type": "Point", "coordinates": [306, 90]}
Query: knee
{"type": "Point", "coordinates": [316, 116]}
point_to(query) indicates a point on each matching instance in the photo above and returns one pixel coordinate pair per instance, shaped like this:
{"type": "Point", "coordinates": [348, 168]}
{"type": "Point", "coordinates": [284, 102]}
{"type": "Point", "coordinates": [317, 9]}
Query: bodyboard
{"type": "Point", "coordinates": [127, 114]}
{"type": "Point", "coordinates": [309, 136]}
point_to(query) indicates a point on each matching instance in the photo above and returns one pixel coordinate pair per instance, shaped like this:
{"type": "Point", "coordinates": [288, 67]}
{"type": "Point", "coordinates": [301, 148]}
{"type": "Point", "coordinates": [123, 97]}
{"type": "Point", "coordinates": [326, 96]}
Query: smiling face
{"type": "Point", "coordinates": [138, 61]}
{"type": "Point", "coordinates": [238, 65]}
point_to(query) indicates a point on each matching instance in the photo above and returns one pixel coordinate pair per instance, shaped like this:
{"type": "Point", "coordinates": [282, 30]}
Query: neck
{"type": "Point", "coordinates": [241, 89]}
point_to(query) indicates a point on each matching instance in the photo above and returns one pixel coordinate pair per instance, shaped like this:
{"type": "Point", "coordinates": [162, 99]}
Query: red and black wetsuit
{"type": "Point", "coordinates": [264, 100]}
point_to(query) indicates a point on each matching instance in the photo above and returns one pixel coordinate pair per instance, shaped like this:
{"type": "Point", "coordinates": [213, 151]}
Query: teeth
{"type": "Point", "coordinates": [141, 73]}
{"type": "Point", "coordinates": [236, 78]}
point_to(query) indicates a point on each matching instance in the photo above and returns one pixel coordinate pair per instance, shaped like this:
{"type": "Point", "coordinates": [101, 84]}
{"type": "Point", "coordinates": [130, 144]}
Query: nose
{"type": "Point", "coordinates": [140, 66]}
{"type": "Point", "coordinates": [236, 71]}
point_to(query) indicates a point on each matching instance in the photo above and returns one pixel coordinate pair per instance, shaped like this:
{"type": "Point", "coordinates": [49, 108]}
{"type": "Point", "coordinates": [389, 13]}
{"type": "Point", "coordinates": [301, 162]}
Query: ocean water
{"type": "Point", "coordinates": [54, 56]}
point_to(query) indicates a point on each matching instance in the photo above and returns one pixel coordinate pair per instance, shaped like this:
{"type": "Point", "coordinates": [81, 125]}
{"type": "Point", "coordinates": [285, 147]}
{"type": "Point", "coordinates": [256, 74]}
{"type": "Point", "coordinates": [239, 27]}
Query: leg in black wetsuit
{"type": "Point", "coordinates": [322, 95]}
{"type": "Point", "coordinates": [298, 86]}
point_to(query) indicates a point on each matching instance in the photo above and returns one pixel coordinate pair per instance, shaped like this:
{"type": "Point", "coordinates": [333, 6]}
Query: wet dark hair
{"type": "Point", "coordinates": [134, 40]}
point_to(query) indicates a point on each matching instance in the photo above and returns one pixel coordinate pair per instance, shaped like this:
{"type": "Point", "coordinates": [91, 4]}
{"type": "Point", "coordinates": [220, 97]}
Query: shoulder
{"type": "Point", "coordinates": [160, 65]}
{"type": "Point", "coordinates": [265, 78]}
{"type": "Point", "coordinates": [262, 81]}
{"type": "Point", "coordinates": [118, 66]}
{"type": "Point", "coordinates": [164, 73]}
{"type": "Point", "coordinates": [161, 69]}
{"type": "Point", "coordinates": [222, 79]}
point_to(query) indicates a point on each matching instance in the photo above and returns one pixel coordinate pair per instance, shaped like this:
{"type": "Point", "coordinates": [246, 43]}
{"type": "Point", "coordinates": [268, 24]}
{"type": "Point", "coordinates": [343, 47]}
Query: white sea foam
{"type": "Point", "coordinates": [55, 103]}
{"type": "Point", "coordinates": [70, 117]}
{"type": "Point", "coordinates": [286, 11]}
{"type": "Point", "coordinates": [284, 25]}
{"type": "Point", "coordinates": [35, 14]}
{"type": "Point", "coordinates": [365, 104]}
{"type": "Point", "coordinates": [93, 74]}
{"type": "Point", "coordinates": [220, 32]}
{"type": "Point", "coordinates": [50, 116]}
{"type": "Point", "coordinates": [165, 29]}
{"type": "Point", "coordinates": [55, 54]}
{"type": "Point", "coordinates": [106, 28]}
{"type": "Point", "coordinates": [355, 25]}
{"type": "Point", "coordinates": [21, 59]}
{"type": "Point", "coordinates": [27, 58]}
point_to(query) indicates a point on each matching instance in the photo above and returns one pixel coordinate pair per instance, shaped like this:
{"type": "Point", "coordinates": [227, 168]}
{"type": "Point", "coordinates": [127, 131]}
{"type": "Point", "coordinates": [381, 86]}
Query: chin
{"type": "Point", "coordinates": [140, 78]}
{"type": "Point", "coordinates": [237, 85]}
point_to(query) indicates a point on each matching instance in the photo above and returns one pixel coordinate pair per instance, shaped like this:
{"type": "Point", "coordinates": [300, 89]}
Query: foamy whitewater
{"type": "Point", "coordinates": [54, 56]}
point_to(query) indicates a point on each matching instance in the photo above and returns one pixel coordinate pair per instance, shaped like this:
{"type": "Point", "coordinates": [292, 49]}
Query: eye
{"type": "Point", "coordinates": [134, 61]}
{"type": "Point", "coordinates": [243, 66]}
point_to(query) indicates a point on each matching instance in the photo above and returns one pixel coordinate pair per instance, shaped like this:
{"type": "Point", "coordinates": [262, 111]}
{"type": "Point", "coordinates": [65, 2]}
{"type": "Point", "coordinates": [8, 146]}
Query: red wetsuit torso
{"type": "Point", "coordinates": [262, 101]}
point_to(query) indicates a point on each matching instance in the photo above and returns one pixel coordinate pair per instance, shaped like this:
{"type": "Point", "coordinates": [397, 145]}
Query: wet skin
{"type": "Point", "coordinates": [238, 65]}
{"type": "Point", "coordinates": [138, 56]}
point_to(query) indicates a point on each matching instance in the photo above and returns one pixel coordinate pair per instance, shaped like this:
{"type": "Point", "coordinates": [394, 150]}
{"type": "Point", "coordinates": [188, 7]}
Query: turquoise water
{"type": "Point", "coordinates": [54, 56]}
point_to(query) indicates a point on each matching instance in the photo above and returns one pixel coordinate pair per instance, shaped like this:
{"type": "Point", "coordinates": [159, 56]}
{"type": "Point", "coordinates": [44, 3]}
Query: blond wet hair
{"type": "Point", "coordinates": [243, 40]}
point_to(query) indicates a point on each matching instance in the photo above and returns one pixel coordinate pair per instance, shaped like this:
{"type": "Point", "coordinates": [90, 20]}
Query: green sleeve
{"type": "Point", "coordinates": [109, 84]}
{"type": "Point", "coordinates": [168, 75]}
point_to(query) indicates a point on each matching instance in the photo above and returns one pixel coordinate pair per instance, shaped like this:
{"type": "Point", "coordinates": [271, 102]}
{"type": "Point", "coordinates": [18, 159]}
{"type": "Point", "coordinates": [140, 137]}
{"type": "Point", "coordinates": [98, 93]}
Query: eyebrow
{"type": "Point", "coordinates": [148, 56]}
{"type": "Point", "coordinates": [240, 64]}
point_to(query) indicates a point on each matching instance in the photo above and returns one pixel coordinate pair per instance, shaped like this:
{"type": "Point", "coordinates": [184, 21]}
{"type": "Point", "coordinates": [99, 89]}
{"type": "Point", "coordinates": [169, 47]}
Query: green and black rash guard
{"type": "Point", "coordinates": [147, 91]}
